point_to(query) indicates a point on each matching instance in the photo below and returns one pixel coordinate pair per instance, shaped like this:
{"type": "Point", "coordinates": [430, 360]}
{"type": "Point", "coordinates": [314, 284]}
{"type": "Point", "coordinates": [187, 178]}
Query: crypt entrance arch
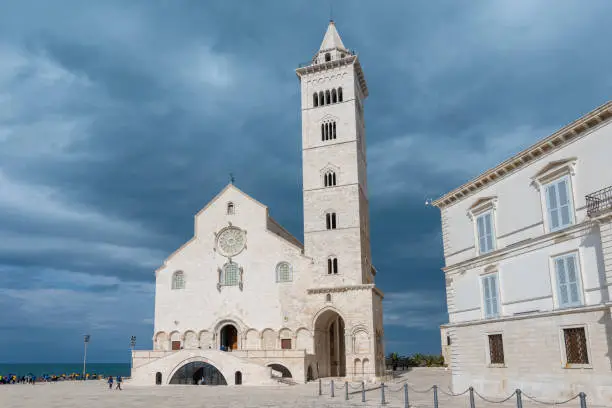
{"type": "Point", "coordinates": [198, 372]}
{"type": "Point", "coordinates": [330, 347]}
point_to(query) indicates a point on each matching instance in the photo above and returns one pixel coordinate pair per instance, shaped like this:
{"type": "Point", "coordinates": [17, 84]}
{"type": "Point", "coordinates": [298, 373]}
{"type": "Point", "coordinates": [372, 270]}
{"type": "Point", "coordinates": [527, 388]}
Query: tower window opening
{"type": "Point", "coordinates": [315, 100]}
{"type": "Point", "coordinates": [334, 130]}
{"type": "Point", "coordinates": [334, 96]}
{"type": "Point", "coordinates": [323, 129]}
{"type": "Point", "coordinates": [230, 208]}
{"type": "Point", "coordinates": [332, 266]}
{"type": "Point", "coordinates": [340, 94]}
{"type": "Point", "coordinates": [330, 179]}
{"type": "Point", "coordinates": [330, 220]}
{"type": "Point", "coordinates": [327, 97]}
{"type": "Point", "coordinates": [321, 98]}
{"type": "Point", "coordinates": [327, 57]}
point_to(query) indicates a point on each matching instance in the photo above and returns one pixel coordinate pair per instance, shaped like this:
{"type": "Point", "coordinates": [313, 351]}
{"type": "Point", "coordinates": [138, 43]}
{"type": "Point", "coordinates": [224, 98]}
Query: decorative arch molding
{"type": "Point", "coordinates": [359, 328]}
{"type": "Point", "coordinates": [194, 359]}
{"type": "Point", "coordinates": [328, 117]}
{"type": "Point", "coordinates": [323, 310]}
{"type": "Point", "coordinates": [285, 331]}
{"type": "Point", "coordinates": [190, 339]}
{"type": "Point", "coordinates": [329, 167]}
{"type": "Point", "coordinates": [231, 319]}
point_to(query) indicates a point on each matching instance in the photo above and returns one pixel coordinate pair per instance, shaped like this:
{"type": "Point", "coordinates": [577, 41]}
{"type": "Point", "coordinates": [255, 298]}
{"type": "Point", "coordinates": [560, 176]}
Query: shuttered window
{"type": "Point", "coordinates": [559, 204]}
{"type": "Point", "coordinates": [568, 280]}
{"type": "Point", "coordinates": [490, 296]}
{"type": "Point", "coordinates": [484, 225]}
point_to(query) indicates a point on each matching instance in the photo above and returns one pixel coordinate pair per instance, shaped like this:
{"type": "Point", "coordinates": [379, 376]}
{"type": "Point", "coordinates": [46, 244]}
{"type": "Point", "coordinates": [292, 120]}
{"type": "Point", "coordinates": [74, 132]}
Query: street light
{"type": "Point", "coordinates": [86, 340]}
{"type": "Point", "coordinates": [132, 345]}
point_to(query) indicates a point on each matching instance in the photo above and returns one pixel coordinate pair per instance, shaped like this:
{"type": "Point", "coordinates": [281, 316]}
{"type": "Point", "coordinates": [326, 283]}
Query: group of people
{"type": "Point", "coordinates": [110, 382]}
{"type": "Point", "coordinates": [32, 379]}
{"type": "Point", "coordinates": [13, 379]}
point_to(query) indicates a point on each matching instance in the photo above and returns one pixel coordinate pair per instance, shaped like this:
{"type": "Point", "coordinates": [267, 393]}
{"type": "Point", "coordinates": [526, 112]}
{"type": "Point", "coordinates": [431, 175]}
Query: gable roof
{"type": "Point", "coordinates": [557, 140]}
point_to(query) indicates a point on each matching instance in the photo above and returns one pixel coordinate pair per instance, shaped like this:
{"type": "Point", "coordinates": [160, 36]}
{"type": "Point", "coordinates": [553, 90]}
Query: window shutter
{"type": "Point", "coordinates": [552, 206]}
{"type": "Point", "coordinates": [562, 282]}
{"type": "Point", "coordinates": [493, 287]}
{"type": "Point", "coordinates": [481, 235]}
{"type": "Point", "coordinates": [564, 202]}
{"type": "Point", "coordinates": [488, 221]}
{"type": "Point", "coordinates": [572, 280]}
{"type": "Point", "coordinates": [487, 296]}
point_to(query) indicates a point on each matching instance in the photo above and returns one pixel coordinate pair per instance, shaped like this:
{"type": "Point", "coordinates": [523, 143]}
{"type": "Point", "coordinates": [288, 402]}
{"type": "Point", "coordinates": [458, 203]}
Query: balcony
{"type": "Point", "coordinates": [598, 202]}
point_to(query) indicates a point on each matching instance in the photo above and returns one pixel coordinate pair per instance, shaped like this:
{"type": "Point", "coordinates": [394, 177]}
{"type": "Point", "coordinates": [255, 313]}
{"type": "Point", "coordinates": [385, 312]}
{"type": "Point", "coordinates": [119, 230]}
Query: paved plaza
{"type": "Point", "coordinates": [94, 394]}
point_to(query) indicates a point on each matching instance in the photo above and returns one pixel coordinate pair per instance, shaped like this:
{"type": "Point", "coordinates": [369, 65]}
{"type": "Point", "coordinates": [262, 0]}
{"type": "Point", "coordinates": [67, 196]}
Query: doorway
{"type": "Point", "coordinates": [329, 344]}
{"type": "Point", "coordinates": [229, 338]}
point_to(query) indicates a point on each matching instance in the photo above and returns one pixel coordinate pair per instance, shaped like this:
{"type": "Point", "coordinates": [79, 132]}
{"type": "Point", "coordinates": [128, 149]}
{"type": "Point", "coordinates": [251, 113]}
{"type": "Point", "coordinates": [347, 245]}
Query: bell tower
{"type": "Point", "coordinates": [336, 209]}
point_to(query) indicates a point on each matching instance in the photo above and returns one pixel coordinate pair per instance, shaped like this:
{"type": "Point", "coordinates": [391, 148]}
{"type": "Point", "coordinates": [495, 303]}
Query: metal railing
{"type": "Point", "coordinates": [353, 389]}
{"type": "Point", "coordinates": [599, 201]}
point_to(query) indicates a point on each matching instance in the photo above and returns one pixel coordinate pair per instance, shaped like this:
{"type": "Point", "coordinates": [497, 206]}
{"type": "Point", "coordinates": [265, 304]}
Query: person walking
{"type": "Point", "coordinates": [118, 383]}
{"type": "Point", "coordinates": [110, 382]}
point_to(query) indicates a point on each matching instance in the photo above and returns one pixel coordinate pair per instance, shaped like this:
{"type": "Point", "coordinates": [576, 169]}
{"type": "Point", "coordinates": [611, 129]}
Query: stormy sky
{"type": "Point", "coordinates": [119, 120]}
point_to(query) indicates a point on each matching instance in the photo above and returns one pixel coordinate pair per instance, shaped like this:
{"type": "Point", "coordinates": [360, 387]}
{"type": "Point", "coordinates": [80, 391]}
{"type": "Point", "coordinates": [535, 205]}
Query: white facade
{"type": "Point", "coordinates": [246, 285]}
{"type": "Point", "coordinates": [528, 250]}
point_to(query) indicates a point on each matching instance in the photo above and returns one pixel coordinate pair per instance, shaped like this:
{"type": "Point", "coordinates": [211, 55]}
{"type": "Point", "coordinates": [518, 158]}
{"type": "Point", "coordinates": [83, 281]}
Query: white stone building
{"type": "Point", "coordinates": [528, 249]}
{"type": "Point", "coordinates": [244, 300]}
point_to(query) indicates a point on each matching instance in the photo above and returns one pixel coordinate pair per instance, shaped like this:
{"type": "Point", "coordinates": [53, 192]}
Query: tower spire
{"type": "Point", "coordinates": [332, 39]}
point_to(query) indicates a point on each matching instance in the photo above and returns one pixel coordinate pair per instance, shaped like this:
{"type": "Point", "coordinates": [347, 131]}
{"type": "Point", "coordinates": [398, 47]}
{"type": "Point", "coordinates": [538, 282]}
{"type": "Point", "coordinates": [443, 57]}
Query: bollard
{"type": "Point", "coordinates": [472, 404]}
{"type": "Point", "coordinates": [519, 400]}
{"type": "Point", "coordinates": [406, 404]}
{"type": "Point", "coordinates": [582, 400]}
{"type": "Point", "coordinates": [382, 393]}
{"type": "Point", "coordinates": [320, 390]}
{"type": "Point", "coordinates": [362, 391]}
{"type": "Point", "coordinates": [435, 388]}
{"type": "Point", "coordinates": [346, 390]}
{"type": "Point", "coordinates": [332, 388]}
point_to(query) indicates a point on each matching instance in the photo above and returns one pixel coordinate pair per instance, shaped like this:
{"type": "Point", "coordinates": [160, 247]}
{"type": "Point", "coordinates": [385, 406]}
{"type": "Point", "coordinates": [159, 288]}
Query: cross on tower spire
{"type": "Point", "coordinates": [231, 177]}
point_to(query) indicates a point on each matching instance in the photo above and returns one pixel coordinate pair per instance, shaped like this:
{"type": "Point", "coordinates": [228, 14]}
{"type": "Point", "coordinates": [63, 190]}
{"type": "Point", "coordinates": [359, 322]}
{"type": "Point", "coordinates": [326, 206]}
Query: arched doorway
{"type": "Point", "coordinates": [229, 337]}
{"type": "Point", "coordinates": [158, 378]}
{"type": "Point", "coordinates": [198, 372]}
{"type": "Point", "coordinates": [285, 373]}
{"type": "Point", "coordinates": [330, 347]}
{"type": "Point", "coordinates": [309, 376]}
{"type": "Point", "coordinates": [238, 378]}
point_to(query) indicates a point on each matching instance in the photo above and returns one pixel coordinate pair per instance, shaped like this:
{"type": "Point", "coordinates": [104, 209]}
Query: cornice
{"type": "Point", "coordinates": [347, 288]}
{"type": "Point", "coordinates": [552, 143]}
{"type": "Point", "coordinates": [348, 60]}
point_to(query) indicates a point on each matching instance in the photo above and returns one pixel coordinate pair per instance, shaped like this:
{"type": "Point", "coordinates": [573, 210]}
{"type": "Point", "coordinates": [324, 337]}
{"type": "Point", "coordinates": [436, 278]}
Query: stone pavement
{"type": "Point", "coordinates": [95, 394]}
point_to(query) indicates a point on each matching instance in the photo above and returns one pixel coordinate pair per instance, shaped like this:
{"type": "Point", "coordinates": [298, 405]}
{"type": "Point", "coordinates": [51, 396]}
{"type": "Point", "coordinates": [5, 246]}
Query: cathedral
{"type": "Point", "coordinates": [246, 302]}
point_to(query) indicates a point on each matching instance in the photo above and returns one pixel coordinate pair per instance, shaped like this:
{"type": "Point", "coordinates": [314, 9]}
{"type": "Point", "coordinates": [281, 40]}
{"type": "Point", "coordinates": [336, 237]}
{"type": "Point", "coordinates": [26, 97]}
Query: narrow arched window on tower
{"type": "Point", "coordinates": [327, 57]}
{"type": "Point", "coordinates": [329, 179]}
{"type": "Point", "coordinates": [334, 131]}
{"type": "Point", "coordinates": [327, 97]}
{"type": "Point", "coordinates": [332, 266]}
{"type": "Point", "coordinates": [315, 99]}
{"type": "Point", "coordinates": [323, 131]}
{"type": "Point", "coordinates": [326, 131]}
{"type": "Point", "coordinates": [321, 98]}
{"type": "Point", "coordinates": [340, 94]}
{"type": "Point", "coordinates": [230, 208]}
{"type": "Point", "coordinates": [334, 96]}
{"type": "Point", "coordinates": [330, 220]}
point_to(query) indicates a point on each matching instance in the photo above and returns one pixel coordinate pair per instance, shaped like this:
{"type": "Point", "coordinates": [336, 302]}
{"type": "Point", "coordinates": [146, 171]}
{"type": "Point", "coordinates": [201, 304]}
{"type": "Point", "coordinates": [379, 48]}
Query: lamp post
{"type": "Point", "coordinates": [132, 345]}
{"type": "Point", "coordinates": [85, 340]}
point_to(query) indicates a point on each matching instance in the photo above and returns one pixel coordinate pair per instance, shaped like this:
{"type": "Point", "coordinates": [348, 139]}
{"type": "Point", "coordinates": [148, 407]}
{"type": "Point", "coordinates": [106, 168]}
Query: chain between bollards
{"type": "Point", "coordinates": [363, 391]}
{"type": "Point", "coordinates": [435, 389]}
{"type": "Point", "coordinates": [406, 404]}
{"type": "Point", "coordinates": [346, 390]}
{"type": "Point", "coordinates": [519, 399]}
{"type": "Point", "coordinates": [472, 403]}
{"type": "Point", "coordinates": [320, 390]}
{"type": "Point", "coordinates": [332, 388]}
{"type": "Point", "coordinates": [583, 403]}
{"type": "Point", "coordinates": [382, 393]}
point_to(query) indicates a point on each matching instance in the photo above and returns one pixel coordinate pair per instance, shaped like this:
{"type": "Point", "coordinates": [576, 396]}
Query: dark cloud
{"type": "Point", "coordinates": [119, 121]}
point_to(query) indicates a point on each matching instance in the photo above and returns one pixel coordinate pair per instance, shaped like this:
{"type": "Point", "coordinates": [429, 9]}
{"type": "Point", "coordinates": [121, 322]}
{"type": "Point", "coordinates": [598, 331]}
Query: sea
{"type": "Point", "coordinates": [106, 369]}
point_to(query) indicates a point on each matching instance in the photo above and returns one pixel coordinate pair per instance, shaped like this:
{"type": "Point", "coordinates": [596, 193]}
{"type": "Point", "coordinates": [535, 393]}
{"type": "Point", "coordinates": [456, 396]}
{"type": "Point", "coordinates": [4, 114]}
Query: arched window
{"type": "Point", "coordinates": [321, 98]}
{"type": "Point", "coordinates": [333, 130]}
{"type": "Point", "coordinates": [230, 274]}
{"type": "Point", "coordinates": [340, 94]}
{"type": "Point", "coordinates": [284, 272]}
{"type": "Point", "coordinates": [329, 179]}
{"type": "Point", "coordinates": [327, 57]}
{"type": "Point", "coordinates": [178, 280]}
{"type": "Point", "coordinates": [332, 266]}
{"type": "Point", "coordinates": [327, 131]}
{"type": "Point", "coordinates": [328, 298]}
{"type": "Point", "coordinates": [330, 220]}
{"type": "Point", "coordinates": [315, 99]}
{"type": "Point", "coordinates": [334, 96]}
{"type": "Point", "coordinates": [230, 208]}
{"type": "Point", "coordinates": [327, 97]}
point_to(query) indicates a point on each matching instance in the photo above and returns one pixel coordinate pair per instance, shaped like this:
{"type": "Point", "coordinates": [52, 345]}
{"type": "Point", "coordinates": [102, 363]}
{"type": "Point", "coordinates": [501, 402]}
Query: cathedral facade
{"type": "Point", "coordinates": [244, 301]}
